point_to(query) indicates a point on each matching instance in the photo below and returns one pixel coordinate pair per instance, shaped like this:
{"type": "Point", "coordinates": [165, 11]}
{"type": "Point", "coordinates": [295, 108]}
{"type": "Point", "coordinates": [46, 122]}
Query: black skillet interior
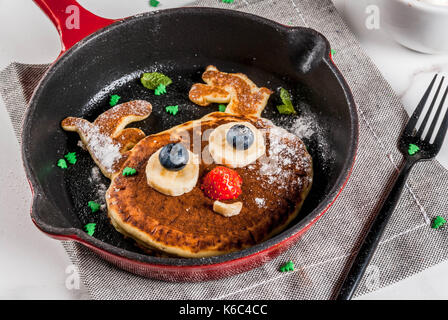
{"type": "Point", "coordinates": [181, 43]}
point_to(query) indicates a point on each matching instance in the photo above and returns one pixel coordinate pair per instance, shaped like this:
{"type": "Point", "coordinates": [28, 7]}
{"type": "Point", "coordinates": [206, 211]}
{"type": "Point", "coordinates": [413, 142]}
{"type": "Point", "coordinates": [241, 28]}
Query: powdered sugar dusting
{"type": "Point", "coordinates": [282, 159]}
{"type": "Point", "coordinates": [103, 148]}
{"type": "Point", "coordinates": [135, 107]}
{"type": "Point", "coordinates": [307, 127]}
{"type": "Point", "coordinates": [81, 145]}
{"type": "Point", "coordinates": [260, 202]}
{"type": "Point", "coordinates": [101, 188]}
{"type": "Point", "coordinates": [303, 127]}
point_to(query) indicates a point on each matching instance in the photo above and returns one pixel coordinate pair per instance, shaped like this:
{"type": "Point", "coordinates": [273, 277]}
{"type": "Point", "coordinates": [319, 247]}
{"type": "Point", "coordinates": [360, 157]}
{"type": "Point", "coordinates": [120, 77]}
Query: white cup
{"type": "Point", "coordinates": [421, 25]}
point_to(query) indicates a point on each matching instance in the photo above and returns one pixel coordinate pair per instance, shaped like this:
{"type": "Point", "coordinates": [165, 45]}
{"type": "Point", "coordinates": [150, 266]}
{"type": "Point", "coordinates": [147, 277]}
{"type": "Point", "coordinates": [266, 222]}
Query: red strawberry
{"type": "Point", "coordinates": [222, 183]}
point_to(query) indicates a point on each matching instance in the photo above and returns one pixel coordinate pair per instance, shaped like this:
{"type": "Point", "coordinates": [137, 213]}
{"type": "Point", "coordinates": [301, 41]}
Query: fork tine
{"type": "Point", "coordinates": [441, 133]}
{"type": "Point", "coordinates": [436, 117]}
{"type": "Point", "coordinates": [428, 113]}
{"type": "Point", "coordinates": [414, 118]}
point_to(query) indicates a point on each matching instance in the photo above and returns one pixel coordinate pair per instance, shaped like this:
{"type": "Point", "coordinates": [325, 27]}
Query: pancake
{"type": "Point", "coordinates": [273, 190]}
{"type": "Point", "coordinates": [107, 139]}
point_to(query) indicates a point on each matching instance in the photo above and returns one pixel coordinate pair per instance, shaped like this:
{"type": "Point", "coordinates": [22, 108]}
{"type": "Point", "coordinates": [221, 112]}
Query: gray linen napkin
{"type": "Point", "coordinates": [409, 244]}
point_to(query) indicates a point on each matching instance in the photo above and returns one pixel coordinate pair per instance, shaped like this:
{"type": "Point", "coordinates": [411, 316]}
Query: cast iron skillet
{"type": "Point", "coordinates": [180, 43]}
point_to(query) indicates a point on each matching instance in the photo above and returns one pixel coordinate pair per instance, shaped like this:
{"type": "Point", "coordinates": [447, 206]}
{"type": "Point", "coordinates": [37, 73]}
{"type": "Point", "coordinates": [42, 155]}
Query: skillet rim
{"type": "Point", "coordinates": [82, 237]}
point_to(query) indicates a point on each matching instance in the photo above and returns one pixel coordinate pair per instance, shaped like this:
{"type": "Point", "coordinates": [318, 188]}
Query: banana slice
{"type": "Point", "coordinates": [224, 153]}
{"type": "Point", "coordinates": [172, 183]}
{"type": "Point", "coordinates": [227, 209]}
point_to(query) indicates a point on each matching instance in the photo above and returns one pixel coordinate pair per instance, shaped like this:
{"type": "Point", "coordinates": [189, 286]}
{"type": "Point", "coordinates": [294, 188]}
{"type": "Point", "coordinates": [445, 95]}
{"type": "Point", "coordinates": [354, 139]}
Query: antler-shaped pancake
{"type": "Point", "coordinates": [236, 89]}
{"type": "Point", "coordinates": [106, 139]}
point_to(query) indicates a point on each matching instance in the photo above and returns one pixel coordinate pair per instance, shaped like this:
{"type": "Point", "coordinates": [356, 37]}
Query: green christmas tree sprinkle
{"type": "Point", "coordinates": [161, 89]}
{"type": "Point", "coordinates": [94, 206]}
{"type": "Point", "coordinates": [114, 100]}
{"type": "Point", "coordinates": [222, 108]}
{"type": "Point", "coordinates": [151, 80]}
{"type": "Point", "coordinates": [154, 3]}
{"type": "Point", "coordinates": [438, 222]}
{"type": "Point", "coordinates": [90, 228]}
{"type": "Point", "coordinates": [413, 149]}
{"type": "Point", "coordinates": [286, 107]}
{"type": "Point", "coordinates": [71, 157]}
{"type": "Point", "coordinates": [227, 1]}
{"type": "Point", "coordinates": [288, 266]}
{"type": "Point", "coordinates": [129, 171]}
{"type": "Point", "coordinates": [333, 52]}
{"type": "Point", "coordinates": [172, 109]}
{"type": "Point", "coordinates": [62, 164]}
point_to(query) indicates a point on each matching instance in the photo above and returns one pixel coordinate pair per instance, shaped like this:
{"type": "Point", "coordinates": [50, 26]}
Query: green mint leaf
{"type": "Point", "coordinates": [286, 107]}
{"type": "Point", "coordinates": [285, 96]}
{"type": "Point", "coordinates": [152, 80]}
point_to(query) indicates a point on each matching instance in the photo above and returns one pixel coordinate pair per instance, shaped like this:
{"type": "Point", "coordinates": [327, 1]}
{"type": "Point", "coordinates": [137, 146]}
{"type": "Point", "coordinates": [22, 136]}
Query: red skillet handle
{"type": "Point", "coordinates": [72, 21]}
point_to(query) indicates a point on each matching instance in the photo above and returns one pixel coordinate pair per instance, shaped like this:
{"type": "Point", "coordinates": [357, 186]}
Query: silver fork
{"type": "Point", "coordinates": [415, 147]}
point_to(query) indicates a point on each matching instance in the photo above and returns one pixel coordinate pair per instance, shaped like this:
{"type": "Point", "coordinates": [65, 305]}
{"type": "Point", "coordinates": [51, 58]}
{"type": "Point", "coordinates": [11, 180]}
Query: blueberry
{"type": "Point", "coordinates": [240, 137]}
{"type": "Point", "coordinates": [174, 156]}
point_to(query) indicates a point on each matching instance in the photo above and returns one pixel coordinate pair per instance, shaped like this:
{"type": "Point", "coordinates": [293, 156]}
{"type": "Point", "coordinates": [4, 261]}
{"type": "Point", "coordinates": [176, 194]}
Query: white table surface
{"type": "Point", "coordinates": [34, 266]}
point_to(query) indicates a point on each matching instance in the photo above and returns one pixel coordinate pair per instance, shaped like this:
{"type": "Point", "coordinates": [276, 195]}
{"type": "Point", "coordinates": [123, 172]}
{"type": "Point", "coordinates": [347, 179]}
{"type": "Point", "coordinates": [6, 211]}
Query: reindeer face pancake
{"type": "Point", "coordinates": [274, 187]}
{"type": "Point", "coordinates": [206, 187]}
